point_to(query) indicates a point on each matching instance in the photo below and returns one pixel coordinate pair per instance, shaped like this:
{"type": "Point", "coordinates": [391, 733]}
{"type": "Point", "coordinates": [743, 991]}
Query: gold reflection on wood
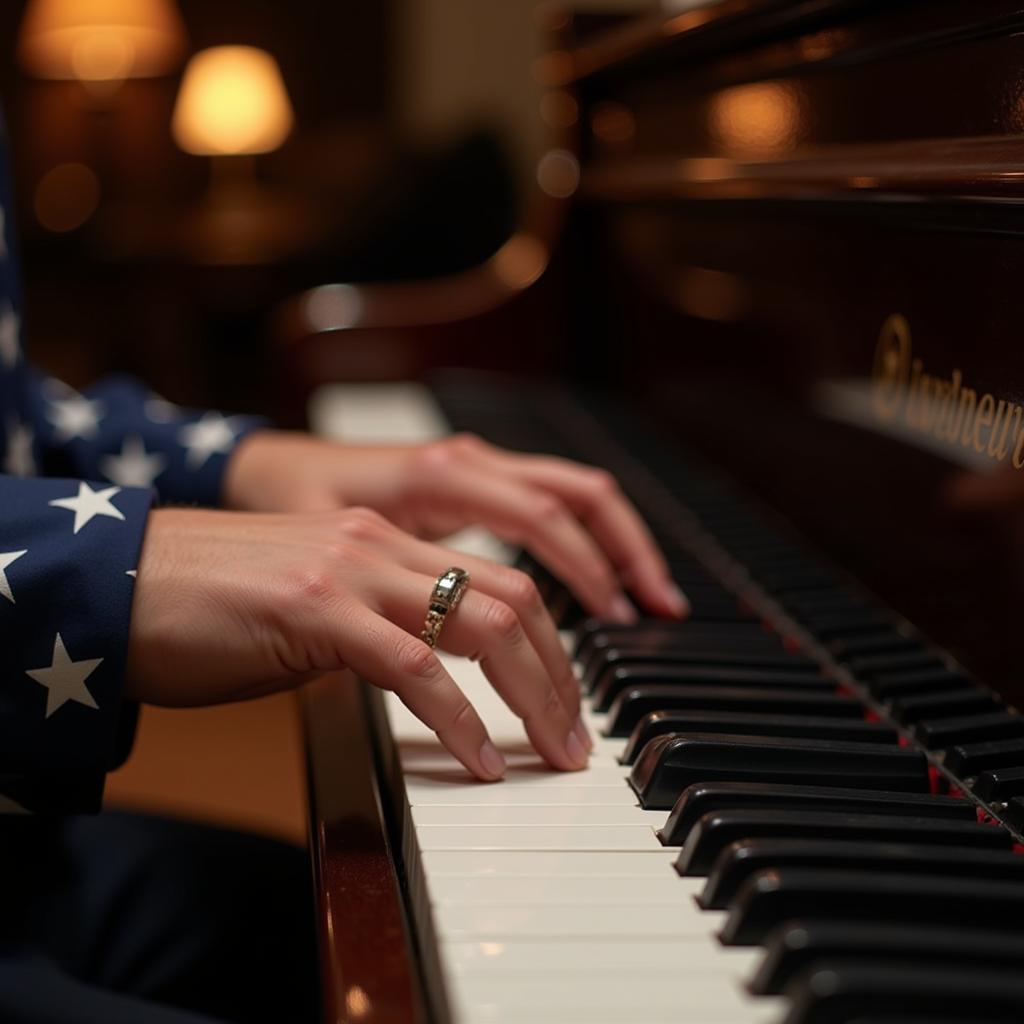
{"type": "Point", "coordinates": [759, 120]}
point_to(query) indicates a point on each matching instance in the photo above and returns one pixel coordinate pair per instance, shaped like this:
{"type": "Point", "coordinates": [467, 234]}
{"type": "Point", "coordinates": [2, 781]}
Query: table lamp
{"type": "Point", "coordinates": [232, 102]}
{"type": "Point", "coordinates": [233, 106]}
{"type": "Point", "coordinates": [100, 42]}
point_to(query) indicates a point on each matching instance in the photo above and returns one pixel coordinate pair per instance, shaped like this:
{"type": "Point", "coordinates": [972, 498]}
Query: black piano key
{"type": "Point", "coordinates": [884, 642]}
{"type": "Point", "coordinates": [593, 636]}
{"type": "Point", "coordinates": [772, 897]}
{"type": "Point", "coordinates": [936, 733]}
{"type": "Point", "coordinates": [870, 666]}
{"type": "Point", "coordinates": [1013, 813]}
{"type": "Point", "coordinates": [628, 677]}
{"type": "Point", "coordinates": [744, 858]}
{"type": "Point", "coordinates": [666, 654]}
{"type": "Point", "coordinates": [968, 759]}
{"type": "Point", "coordinates": [829, 600]}
{"type": "Point", "coordinates": [794, 947]}
{"type": "Point", "coordinates": [966, 701]}
{"type": "Point", "coordinates": [833, 625]}
{"type": "Point", "coordinates": [669, 764]}
{"type": "Point", "coordinates": [848, 991]}
{"type": "Point", "coordinates": [907, 683]}
{"type": "Point", "coordinates": [697, 800]}
{"type": "Point", "coordinates": [658, 723]}
{"type": "Point", "coordinates": [999, 784]}
{"type": "Point", "coordinates": [633, 704]}
{"type": "Point", "coordinates": [717, 829]}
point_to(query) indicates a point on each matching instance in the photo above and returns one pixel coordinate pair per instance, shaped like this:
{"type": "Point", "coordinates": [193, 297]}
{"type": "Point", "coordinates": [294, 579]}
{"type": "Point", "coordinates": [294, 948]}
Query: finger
{"type": "Point", "coordinates": [596, 499]}
{"type": "Point", "coordinates": [489, 631]}
{"type": "Point", "coordinates": [391, 658]}
{"type": "Point", "coordinates": [541, 522]}
{"type": "Point", "coordinates": [518, 591]}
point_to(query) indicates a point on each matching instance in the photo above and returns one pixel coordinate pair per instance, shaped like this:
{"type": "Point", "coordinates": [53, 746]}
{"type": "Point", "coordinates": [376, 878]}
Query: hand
{"type": "Point", "coordinates": [573, 518]}
{"type": "Point", "coordinates": [232, 605]}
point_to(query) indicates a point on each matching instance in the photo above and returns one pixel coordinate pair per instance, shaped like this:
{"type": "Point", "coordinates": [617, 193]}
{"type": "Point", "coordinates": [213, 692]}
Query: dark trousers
{"type": "Point", "coordinates": [121, 918]}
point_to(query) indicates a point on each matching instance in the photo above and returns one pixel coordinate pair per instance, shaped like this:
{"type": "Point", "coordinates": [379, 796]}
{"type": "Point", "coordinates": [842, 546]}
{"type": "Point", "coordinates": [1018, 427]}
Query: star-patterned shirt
{"type": "Point", "coordinates": [78, 475]}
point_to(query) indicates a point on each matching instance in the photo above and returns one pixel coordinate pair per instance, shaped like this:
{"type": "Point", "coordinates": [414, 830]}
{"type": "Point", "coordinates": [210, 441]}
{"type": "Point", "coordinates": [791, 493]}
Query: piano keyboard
{"type": "Point", "coordinates": [551, 897]}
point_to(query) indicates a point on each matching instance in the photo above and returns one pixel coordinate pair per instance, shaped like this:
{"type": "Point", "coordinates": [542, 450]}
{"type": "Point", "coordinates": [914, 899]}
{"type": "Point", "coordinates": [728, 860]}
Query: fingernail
{"type": "Point", "coordinates": [622, 610]}
{"type": "Point", "coordinates": [576, 751]}
{"type": "Point", "coordinates": [581, 731]}
{"type": "Point", "coordinates": [676, 600]}
{"type": "Point", "coordinates": [492, 761]}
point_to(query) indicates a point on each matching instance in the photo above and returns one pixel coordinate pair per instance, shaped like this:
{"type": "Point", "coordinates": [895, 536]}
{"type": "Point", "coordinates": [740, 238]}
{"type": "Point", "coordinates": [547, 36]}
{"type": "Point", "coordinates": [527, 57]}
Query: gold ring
{"type": "Point", "coordinates": [448, 590]}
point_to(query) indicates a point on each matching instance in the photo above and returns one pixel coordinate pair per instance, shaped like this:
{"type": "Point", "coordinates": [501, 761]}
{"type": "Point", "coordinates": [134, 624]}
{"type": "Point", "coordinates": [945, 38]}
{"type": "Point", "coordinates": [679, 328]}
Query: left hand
{"type": "Point", "coordinates": [572, 518]}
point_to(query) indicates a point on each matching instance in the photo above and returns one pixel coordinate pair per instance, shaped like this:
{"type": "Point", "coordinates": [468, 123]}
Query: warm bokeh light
{"type": "Point", "coordinates": [232, 101]}
{"type": "Point", "coordinates": [66, 197]}
{"type": "Point", "coordinates": [101, 40]}
{"type": "Point", "coordinates": [520, 261]}
{"type": "Point", "coordinates": [558, 173]}
{"type": "Point", "coordinates": [762, 119]}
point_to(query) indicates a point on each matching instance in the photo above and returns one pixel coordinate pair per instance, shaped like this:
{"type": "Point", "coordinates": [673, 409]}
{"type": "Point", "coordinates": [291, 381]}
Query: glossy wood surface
{"type": "Point", "coordinates": [369, 972]}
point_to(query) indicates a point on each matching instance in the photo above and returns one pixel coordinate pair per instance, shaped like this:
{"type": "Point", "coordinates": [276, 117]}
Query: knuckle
{"type": "Point", "coordinates": [465, 443]}
{"type": "Point", "coordinates": [502, 622]}
{"type": "Point", "coordinates": [603, 483]}
{"type": "Point", "coordinates": [313, 587]}
{"type": "Point", "coordinates": [414, 658]}
{"type": "Point", "coordinates": [362, 524]}
{"type": "Point", "coordinates": [462, 715]}
{"type": "Point", "coordinates": [522, 589]}
{"type": "Point", "coordinates": [552, 701]}
{"type": "Point", "coordinates": [547, 509]}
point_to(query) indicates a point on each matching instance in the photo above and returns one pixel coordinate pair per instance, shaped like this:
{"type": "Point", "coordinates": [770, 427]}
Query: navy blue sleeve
{"type": "Point", "coordinates": [121, 432]}
{"type": "Point", "coordinates": [78, 474]}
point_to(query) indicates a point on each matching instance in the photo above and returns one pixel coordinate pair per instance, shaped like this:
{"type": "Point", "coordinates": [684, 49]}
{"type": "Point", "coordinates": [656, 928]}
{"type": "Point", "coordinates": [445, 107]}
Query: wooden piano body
{"type": "Point", "coordinates": [792, 233]}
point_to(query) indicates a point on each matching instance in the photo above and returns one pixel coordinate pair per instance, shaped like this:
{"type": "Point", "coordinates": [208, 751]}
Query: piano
{"type": "Point", "coordinates": [776, 270]}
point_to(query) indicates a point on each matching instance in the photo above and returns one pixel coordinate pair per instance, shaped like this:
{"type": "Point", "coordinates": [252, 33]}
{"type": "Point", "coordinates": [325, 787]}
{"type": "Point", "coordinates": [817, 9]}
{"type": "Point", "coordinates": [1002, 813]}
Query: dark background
{"type": "Point", "coordinates": [134, 289]}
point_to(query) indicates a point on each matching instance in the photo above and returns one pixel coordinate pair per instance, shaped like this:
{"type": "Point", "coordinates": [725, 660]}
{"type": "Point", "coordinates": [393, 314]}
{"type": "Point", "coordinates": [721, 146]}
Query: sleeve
{"type": "Point", "coordinates": [68, 552]}
{"type": "Point", "coordinates": [120, 432]}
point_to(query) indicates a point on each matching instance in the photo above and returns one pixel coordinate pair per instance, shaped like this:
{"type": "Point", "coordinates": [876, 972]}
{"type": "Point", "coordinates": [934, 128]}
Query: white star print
{"type": "Point", "coordinates": [131, 572]}
{"type": "Point", "coordinates": [76, 416]}
{"type": "Point", "coordinates": [6, 559]}
{"type": "Point", "coordinates": [19, 460]}
{"type": "Point", "coordinates": [65, 679]}
{"type": "Point", "coordinates": [133, 467]}
{"type": "Point", "coordinates": [9, 323]}
{"type": "Point", "coordinates": [211, 434]}
{"type": "Point", "coordinates": [159, 410]}
{"type": "Point", "coordinates": [88, 504]}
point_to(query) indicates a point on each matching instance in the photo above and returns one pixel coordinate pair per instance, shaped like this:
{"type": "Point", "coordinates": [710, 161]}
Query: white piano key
{"type": "Point", "coordinates": [517, 814]}
{"type": "Point", "coordinates": [540, 837]}
{"type": "Point", "coordinates": [617, 921]}
{"type": "Point", "coordinates": [531, 776]}
{"type": "Point", "coordinates": [686, 956]}
{"type": "Point", "coordinates": [550, 863]}
{"type": "Point", "coordinates": [502, 795]}
{"type": "Point", "coordinates": [477, 889]}
{"type": "Point", "coordinates": [583, 997]}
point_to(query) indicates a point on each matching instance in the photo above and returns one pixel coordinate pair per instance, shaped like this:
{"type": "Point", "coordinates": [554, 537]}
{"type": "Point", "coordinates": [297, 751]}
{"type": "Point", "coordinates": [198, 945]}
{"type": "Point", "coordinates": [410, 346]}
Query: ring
{"type": "Point", "coordinates": [448, 590]}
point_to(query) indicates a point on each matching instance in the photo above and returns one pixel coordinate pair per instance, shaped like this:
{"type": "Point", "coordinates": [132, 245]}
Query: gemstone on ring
{"type": "Point", "coordinates": [446, 594]}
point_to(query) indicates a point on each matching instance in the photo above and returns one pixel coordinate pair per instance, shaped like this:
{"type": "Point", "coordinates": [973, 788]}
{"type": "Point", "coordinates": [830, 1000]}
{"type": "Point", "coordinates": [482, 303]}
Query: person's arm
{"type": "Point", "coordinates": [68, 553]}
{"type": "Point", "coordinates": [120, 432]}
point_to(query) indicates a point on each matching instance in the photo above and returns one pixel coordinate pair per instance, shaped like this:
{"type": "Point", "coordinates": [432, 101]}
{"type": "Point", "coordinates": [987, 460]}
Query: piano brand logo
{"type": "Point", "coordinates": [943, 407]}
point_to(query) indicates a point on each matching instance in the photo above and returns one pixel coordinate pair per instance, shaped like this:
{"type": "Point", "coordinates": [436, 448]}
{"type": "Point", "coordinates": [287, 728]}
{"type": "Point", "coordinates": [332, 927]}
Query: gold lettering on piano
{"type": "Point", "coordinates": [941, 406]}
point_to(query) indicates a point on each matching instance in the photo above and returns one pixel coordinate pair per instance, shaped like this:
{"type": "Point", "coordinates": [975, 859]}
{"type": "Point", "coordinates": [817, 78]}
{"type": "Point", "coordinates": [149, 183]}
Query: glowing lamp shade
{"type": "Point", "coordinates": [232, 101]}
{"type": "Point", "coordinates": [101, 40]}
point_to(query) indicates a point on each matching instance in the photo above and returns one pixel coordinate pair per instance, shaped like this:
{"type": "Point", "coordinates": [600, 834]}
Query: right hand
{"type": "Point", "coordinates": [235, 605]}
